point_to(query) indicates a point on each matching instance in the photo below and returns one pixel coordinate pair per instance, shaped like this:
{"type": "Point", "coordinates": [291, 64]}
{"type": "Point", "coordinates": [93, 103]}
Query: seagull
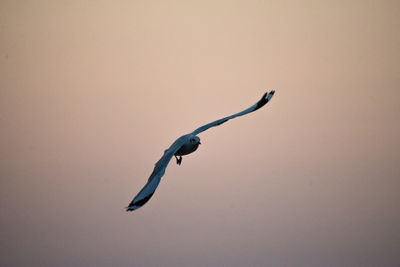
{"type": "Point", "coordinates": [184, 145]}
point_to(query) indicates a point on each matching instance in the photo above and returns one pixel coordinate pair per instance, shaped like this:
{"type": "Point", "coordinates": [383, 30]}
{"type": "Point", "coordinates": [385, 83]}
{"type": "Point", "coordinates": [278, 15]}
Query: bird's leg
{"type": "Point", "coordinates": [178, 160]}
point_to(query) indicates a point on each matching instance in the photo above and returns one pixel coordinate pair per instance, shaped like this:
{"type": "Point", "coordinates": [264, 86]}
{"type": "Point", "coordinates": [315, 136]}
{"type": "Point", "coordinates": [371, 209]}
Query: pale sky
{"type": "Point", "coordinates": [92, 92]}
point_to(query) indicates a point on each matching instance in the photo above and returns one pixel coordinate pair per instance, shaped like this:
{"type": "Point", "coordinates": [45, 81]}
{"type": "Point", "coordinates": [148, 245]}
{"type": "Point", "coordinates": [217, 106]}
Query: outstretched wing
{"type": "Point", "coordinates": [264, 100]}
{"type": "Point", "coordinates": [159, 169]}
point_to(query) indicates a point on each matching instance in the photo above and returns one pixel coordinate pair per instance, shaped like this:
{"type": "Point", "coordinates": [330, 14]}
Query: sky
{"type": "Point", "coordinates": [93, 92]}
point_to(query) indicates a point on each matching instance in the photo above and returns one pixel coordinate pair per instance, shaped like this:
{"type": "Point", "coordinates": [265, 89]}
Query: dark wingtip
{"type": "Point", "coordinates": [134, 205]}
{"type": "Point", "coordinates": [264, 99]}
{"type": "Point", "coordinates": [131, 207]}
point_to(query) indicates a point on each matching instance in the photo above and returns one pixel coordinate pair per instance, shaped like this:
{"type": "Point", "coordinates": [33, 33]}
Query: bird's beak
{"type": "Point", "coordinates": [199, 143]}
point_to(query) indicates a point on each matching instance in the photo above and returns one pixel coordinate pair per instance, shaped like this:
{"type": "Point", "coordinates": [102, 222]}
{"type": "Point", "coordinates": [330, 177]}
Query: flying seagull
{"type": "Point", "coordinates": [184, 145]}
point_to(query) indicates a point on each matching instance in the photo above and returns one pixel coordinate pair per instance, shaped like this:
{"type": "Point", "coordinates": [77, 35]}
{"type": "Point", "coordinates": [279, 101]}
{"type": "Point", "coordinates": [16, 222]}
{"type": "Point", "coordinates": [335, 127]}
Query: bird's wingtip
{"type": "Point", "coordinates": [130, 208]}
{"type": "Point", "coordinates": [265, 98]}
{"type": "Point", "coordinates": [270, 94]}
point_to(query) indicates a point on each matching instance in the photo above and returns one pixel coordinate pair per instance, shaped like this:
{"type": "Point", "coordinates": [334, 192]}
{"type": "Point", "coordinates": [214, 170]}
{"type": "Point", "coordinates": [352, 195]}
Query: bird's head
{"type": "Point", "coordinates": [195, 140]}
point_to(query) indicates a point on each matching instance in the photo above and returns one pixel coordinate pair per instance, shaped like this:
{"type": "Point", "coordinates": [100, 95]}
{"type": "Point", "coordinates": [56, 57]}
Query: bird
{"type": "Point", "coordinates": [184, 145]}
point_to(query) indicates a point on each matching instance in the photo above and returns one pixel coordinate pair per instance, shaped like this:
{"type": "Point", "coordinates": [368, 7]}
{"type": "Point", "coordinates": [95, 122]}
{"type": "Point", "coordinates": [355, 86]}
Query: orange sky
{"type": "Point", "coordinates": [91, 93]}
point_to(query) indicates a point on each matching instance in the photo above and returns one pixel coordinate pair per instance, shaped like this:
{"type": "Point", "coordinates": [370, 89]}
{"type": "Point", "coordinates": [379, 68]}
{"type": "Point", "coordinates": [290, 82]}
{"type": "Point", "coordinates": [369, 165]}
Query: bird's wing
{"type": "Point", "coordinates": [264, 100]}
{"type": "Point", "coordinates": [159, 169]}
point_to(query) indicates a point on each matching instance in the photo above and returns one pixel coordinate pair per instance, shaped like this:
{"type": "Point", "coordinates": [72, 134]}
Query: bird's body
{"type": "Point", "coordinates": [189, 147]}
{"type": "Point", "coordinates": [184, 145]}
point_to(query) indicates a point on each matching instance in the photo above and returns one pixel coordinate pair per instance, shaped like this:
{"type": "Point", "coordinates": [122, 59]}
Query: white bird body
{"type": "Point", "coordinates": [184, 145]}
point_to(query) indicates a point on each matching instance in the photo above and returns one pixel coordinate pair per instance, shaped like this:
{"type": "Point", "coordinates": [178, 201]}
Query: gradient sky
{"type": "Point", "coordinates": [92, 92]}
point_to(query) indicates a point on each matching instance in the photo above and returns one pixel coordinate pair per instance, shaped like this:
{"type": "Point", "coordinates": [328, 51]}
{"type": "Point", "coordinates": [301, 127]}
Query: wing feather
{"type": "Point", "coordinates": [159, 169]}
{"type": "Point", "coordinates": [264, 100]}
